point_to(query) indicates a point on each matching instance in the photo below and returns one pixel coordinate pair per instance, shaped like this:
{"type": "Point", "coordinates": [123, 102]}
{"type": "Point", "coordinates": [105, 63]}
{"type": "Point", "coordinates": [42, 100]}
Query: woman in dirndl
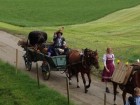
{"type": "Point", "coordinates": [109, 66]}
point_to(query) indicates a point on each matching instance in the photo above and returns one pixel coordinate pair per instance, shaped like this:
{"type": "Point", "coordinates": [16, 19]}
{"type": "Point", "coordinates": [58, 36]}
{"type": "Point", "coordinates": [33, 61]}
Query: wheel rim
{"type": "Point", "coordinates": [46, 71]}
{"type": "Point", "coordinates": [46, 75]}
{"type": "Point", "coordinates": [28, 65]}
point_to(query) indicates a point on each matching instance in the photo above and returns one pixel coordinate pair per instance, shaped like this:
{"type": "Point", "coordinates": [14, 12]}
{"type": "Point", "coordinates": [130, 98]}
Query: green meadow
{"type": "Point", "coordinates": [94, 24]}
{"type": "Point", "coordinates": [29, 13]}
{"type": "Point", "coordinates": [119, 30]}
{"type": "Point", "coordinates": [19, 89]}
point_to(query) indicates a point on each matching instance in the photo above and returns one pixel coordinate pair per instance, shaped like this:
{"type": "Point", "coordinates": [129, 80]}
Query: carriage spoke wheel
{"type": "Point", "coordinates": [46, 71]}
{"type": "Point", "coordinates": [28, 64]}
{"type": "Point", "coordinates": [46, 75]}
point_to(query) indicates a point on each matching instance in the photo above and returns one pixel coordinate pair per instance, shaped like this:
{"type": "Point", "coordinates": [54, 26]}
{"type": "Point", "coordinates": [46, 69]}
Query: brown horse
{"type": "Point", "coordinates": [133, 81]}
{"type": "Point", "coordinates": [82, 63]}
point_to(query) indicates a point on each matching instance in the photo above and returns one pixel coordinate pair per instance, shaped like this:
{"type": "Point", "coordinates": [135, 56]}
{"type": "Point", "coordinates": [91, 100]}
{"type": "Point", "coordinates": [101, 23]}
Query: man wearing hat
{"type": "Point", "coordinates": [59, 42]}
{"type": "Point", "coordinates": [135, 100]}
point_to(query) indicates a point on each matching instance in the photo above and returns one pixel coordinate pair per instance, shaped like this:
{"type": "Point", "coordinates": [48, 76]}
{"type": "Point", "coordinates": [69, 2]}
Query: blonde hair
{"type": "Point", "coordinates": [109, 50]}
{"type": "Point", "coordinates": [137, 91]}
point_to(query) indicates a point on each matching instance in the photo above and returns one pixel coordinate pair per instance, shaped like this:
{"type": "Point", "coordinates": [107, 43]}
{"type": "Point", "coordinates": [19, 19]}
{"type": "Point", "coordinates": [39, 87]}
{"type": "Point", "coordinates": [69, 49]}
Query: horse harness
{"type": "Point", "coordinates": [83, 60]}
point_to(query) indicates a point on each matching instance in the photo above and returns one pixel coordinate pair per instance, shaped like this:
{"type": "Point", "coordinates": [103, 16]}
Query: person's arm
{"type": "Point", "coordinates": [64, 42]}
{"type": "Point", "coordinates": [113, 59]}
{"type": "Point", "coordinates": [104, 61]}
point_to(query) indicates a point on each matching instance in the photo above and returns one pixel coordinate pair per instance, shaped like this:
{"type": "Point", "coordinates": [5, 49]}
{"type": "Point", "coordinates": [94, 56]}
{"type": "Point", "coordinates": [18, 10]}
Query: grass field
{"type": "Point", "coordinates": [119, 30]}
{"type": "Point", "coordinates": [55, 12]}
{"type": "Point", "coordinates": [19, 89]}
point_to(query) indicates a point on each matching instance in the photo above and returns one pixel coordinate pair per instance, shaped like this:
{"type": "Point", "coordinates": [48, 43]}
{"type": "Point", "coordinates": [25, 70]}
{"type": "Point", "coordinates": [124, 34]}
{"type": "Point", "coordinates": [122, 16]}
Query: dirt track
{"type": "Point", "coordinates": [95, 95]}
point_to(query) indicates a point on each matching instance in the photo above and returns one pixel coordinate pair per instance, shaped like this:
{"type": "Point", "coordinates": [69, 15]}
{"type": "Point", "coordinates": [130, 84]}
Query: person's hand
{"type": "Point", "coordinates": [107, 70]}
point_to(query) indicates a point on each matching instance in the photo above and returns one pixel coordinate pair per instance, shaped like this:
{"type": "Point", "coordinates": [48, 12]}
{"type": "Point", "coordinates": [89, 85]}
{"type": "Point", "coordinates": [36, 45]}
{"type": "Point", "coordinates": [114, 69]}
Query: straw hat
{"type": "Point", "coordinates": [59, 32]}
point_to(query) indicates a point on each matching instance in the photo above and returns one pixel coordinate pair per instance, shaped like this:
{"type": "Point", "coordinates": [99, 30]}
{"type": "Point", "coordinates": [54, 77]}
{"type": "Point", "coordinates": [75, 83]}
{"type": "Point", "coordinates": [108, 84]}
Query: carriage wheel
{"type": "Point", "coordinates": [46, 71]}
{"type": "Point", "coordinates": [28, 64]}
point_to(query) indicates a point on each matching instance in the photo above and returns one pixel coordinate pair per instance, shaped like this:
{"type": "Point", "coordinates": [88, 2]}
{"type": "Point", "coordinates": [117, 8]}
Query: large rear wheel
{"type": "Point", "coordinates": [28, 65]}
{"type": "Point", "coordinates": [46, 71]}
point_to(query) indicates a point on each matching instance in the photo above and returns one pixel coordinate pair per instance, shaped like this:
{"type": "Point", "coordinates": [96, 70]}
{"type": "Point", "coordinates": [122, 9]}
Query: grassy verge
{"type": "Point", "coordinates": [19, 89]}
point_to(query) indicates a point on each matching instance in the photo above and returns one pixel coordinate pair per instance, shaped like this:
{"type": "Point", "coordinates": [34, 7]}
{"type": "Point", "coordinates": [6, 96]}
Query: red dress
{"type": "Point", "coordinates": [106, 76]}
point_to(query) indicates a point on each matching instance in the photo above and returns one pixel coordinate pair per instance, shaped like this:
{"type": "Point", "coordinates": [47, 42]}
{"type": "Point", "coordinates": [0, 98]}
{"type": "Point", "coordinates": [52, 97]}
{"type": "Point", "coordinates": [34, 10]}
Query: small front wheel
{"type": "Point", "coordinates": [46, 71]}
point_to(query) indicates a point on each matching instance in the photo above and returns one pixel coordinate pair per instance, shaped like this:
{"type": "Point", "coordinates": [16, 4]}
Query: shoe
{"type": "Point", "coordinates": [107, 90]}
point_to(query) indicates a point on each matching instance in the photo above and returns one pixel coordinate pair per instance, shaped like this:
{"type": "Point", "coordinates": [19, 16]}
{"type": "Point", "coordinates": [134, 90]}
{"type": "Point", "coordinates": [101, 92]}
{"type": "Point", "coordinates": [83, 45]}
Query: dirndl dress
{"type": "Point", "coordinates": [106, 76]}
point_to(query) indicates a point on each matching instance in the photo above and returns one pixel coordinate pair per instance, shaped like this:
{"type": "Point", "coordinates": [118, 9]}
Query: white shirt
{"type": "Point", "coordinates": [111, 56]}
{"type": "Point", "coordinates": [59, 41]}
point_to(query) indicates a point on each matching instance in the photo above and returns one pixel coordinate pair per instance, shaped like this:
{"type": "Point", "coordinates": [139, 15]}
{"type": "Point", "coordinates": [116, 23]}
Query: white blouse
{"type": "Point", "coordinates": [111, 56]}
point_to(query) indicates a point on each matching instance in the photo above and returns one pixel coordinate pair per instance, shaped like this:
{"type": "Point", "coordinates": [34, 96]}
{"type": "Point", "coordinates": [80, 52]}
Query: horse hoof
{"type": "Point", "coordinates": [78, 86]}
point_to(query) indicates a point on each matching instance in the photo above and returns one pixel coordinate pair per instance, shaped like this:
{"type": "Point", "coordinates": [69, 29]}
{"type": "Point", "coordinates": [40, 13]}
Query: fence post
{"type": "Point", "coordinates": [67, 82]}
{"type": "Point", "coordinates": [37, 75]}
{"type": "Point", "coordinates": [104, 98]}
{"type": "Point", "coordinates": [16, 60]}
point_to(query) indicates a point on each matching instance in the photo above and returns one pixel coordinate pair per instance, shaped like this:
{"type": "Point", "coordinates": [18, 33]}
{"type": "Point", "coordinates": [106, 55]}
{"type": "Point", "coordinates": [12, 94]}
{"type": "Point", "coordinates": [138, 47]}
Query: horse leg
{"type": "Point", "coordinates": [115, 92]}
{"type": "Point", "coordinates": [124, 96]}
{"type": "Point", "coordinates": [69, 75]}
{"type": "Point", "coordinates": [84, 81]}
{"type": "Point", "coordinates": [89, 78]}
{"type": "Point", "coordinates": [78, 85]}
{"type": "Point", "coordinates": [70, 79]}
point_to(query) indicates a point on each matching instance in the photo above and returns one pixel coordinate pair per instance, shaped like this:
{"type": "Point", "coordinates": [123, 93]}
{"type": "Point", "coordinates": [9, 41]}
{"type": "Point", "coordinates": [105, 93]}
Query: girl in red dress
{"type": "Point", "coordinates": [109, 66]}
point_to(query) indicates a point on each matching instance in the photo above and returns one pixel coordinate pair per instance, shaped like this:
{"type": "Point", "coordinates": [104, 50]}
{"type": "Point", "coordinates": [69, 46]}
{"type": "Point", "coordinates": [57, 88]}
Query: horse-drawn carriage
{"type": "Point", "coordinates": [51, 63]}
{"type": "Point", "coordinates": [73, 63]}
{"type": "Point", "coordinates": [32, 54]}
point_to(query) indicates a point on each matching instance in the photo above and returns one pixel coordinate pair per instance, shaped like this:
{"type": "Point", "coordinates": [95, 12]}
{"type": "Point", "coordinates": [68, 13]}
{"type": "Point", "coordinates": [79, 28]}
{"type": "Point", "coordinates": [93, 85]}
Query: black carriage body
{"type": "Point", "coordinates": [58, 62]}
{"type": "Point", "coordinates": [34, 56]}
{"type": "Point", "coordinates": [36, 37]}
